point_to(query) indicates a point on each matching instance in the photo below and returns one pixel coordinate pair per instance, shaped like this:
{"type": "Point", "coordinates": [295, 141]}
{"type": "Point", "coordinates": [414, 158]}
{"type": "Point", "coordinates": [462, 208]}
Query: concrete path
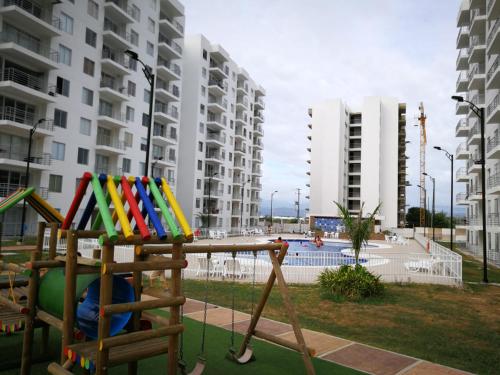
{"type": "Point", "coordinates": [329, 348]}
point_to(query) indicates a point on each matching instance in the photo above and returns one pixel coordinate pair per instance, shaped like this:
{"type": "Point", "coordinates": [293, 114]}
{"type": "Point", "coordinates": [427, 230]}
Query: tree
{"type": "Point", "coordinates": [358, 228]}
{"type": "Point", "coordinates": [441, 219]}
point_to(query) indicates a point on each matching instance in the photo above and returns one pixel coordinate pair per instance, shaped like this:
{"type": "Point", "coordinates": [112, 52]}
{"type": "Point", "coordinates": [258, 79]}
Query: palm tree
{"type": "Point", "coordinates": [358, 229]}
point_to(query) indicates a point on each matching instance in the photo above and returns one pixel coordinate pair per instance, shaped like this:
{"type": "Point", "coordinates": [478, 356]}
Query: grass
{"type": "Point", "coordinates": [271, 359]}
{"type": "Point", "coordinates": [457, 327]}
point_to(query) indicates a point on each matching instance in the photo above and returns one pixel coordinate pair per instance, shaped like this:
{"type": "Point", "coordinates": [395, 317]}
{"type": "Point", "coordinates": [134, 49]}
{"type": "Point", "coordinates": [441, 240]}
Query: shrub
{"type": "Point", "coordinates": [349, 282]}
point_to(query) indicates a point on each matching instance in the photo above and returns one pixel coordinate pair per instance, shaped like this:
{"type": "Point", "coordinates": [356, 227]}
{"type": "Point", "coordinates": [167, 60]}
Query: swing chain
{"type": "Point", "coordinates": [181, 362]}
{"type": "Point", "coordinates": [232, 301]}
{"type": "Point", "coordinates": [202, 353]}
{"type": "Point", "coordinates": [253, 284]}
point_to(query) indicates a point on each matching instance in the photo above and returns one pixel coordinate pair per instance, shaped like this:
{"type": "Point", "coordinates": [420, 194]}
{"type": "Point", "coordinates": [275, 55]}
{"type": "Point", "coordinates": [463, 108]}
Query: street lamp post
{"type": "Point", "coordinates": [450, 157]}
{"type": "Point", "coordinates": [479, 112]}
{"type": "Point", "coordinates": [27, 177]}
{"type": "Point", "coordinates": [433, 203]}
{"type": "Point", "coordinates": [151, 80]}
{"type": "Point", "coordinates": [209, 198]}
{"type": "Point", "coordinates": [425, 206]}
{"type": "Point", "coordinates": [272, 195]}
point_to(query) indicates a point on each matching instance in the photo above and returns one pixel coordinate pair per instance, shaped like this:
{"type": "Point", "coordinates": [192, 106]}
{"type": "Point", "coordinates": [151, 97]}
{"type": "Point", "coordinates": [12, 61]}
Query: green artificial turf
{"type": "Point", "coordinates": [271, 359]}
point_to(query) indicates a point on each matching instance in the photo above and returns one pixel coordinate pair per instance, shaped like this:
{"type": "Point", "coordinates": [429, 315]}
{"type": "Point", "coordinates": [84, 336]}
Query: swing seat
{"type": "Point", "coordinates": [245, 358]}
{"type": "Point", "coordinates": [199, 367]}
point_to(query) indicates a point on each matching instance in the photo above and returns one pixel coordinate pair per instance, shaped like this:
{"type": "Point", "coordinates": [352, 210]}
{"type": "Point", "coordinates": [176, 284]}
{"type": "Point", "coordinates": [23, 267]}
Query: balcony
{"type": "Point", "coordinates": [461, 199]}
{"type": "Point", "coordinates": [493, 110]}
{"type": "Point", "coordinates": [109, 145]}
{"type": "Point", "coordinates": [493, 76]}
{"type": "Point", "coordinates": [119, 11]}
{"type": "Point", "coordinates": [493, 9]}
{"type": "Point", "coordinates": [462, 128]}
{"type": "Point", "coordinates": [257, 171]}
{"type": "Point", "coordinates": [257, 143]}
{"type": "Point", "coordinates": [474, 163]}
{"type": "Point", "coordinates": [236, 211]}
{"type": "Point", "coordinates": [113, 119]}
{"type": "Point", "coordinates": [114, 62]}
{"type": "Point", "coordinates": [7, 189]}
{"type": "Point", "coordinates": [242, 87]}
{"type": "Point", "coordinates": [27, 15]}
{"type": "Point", "coordinates": [242, 102]}
{"type": "Point", "coordinates": [160, 135]}
{"type": "Point", "coordinates": [463, 37]}
{"type": "Point", "coordinates": [20, 122]}
{"type": "Point", "coordinates": [16, 158]}
{"type": "Point", "coordinates": [166, 112]}
{"type": "Point", "coordinates": [256, 185]}
{"type": "Point", "coordinates": [215, 139]}
{"type": "Point", "coordinates": [240, 148]}
{"type": "Point", "coordinates": [116, 36]}
{"type": "Point", "coordinates": [257, 158]}
{"type": "Point", "coordinates": [462, 82]}
{"type": "Point", "coordinates": [241, 118]}
{"type": "Point", "coordinates": [493, 219]}
{"type": "Point", "coordinates": [238, 165]}
{"type": "Point", "coordinates": [493, 148]}
{"type": "Point", "coordinates": [238, 133]}
{"type": "Point", "coordinates": [259, 103]}
{"type": "Point", "coordinates": [166, 92]}
{"type": "Point", "coordinates": [112, 91]}
{"type": "Point", "coordinates": [493, 184]}
{"type": "Point", "coordinates": [216, 105]}
{"type": "Point", "coordinates": [258, 116]}
{"type": "Point", "coordinates": [215, 122]}
{"type": "Point", "coordinates": [463, 17]}
{"type": "Point", "coordinates": [478, 21]}
{"type": "Point", "coordinates": [213, 192]}
{"type": "Point", "coordinates": [213, 157]}
{"type": "Point", "coordinates": [477, 77]}
{"type": "Point", "coordinates": [170, 26]}
{"type": "Point", "coordinates": [462, 152]}
{"type": "Point", "coordinates": [168, 70]}
{"type": "Point", "coordinates": [477, 49]}
{"type": "Point", "coordinates": [258, 130]}
{"type": "Point", "coordinates": [217, 69]}
{"type": "Point", "coordinates": [168, 48]}
{"type": "Point", "coordinates": [462, 175]}
{"type": "Point", "coordinates": [462, 59]}
{"type": "Point", "coordinates": [474, 135]}
{"type": "Point", "coordinates": [25, 86]}
{"type": "Point", "coordinates": [216, 87]}
{"type": "Point", "coordinates": [165, 162]}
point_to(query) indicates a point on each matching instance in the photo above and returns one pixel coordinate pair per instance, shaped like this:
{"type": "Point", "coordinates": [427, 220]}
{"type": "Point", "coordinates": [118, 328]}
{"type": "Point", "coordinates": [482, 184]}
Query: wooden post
{"type": "Point", "coordinates": [262, 302]}
{"type": "Point", "coordinates": [291, 313]}
{"type": "Point", "coordinates": [32, 301]}
{"type": "Point", "coordinates": [69, 292]}
{"type": "Point", "coordinates": [105, 298]}
{"type": "Point", "coordinates": [53, 240]}
{"type": "Point", "coordinates": [173, 341]}
{"type": "Point", "coordinates": [136, 316]}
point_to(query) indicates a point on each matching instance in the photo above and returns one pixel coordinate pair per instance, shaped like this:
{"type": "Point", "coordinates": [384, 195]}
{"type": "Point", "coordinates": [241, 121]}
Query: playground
{"type": "Point", "coordinates": [89, 312]}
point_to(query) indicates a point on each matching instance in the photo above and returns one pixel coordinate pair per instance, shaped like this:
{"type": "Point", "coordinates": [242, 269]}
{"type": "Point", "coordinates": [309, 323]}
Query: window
{"type": "Point", "coordinates": [83, 156]}
{"type": "Point", "coordinates": [198, 201]}
{"type": "Point", "coordinates": [222, 171]}
{"type": "Point", "coordinates": [203, 90]}
{"type": "Point", "coordinates": [200, 165]}
{"type": "Point", "coordinates": [55, 183]}
{"type": "Point", "coordinates": [88, 66]}
{"type": "Point", "coordinates": [145, 119]}
{"type": "Point", "coordinates": [129, 139]}
{"type": "Point", "coordinates": [132, 64]}
{"type": "Point", "coordinates": [62, 86]}
{"type": "Point", "coordinates": [151, 25]}
{"type": "Point", "coordinates": [147, 95]}
{"type": "Point", "coordinates": [134, 38]}
{"type": "Point", "coordinates": [90, 37]}
{"type": "Point", "coordinates": [126, 163]}
{"type": "Point", "coordinates": [150, 49]}
{"type": "Point", "coordinates": [158, 152]}
{"type": "Point", "coordinates": [93, 9]}
{"type": "Point", "coordinates": [204, 72]}
{"type": "Point", "coordinates": [144, 145]}
{"type": "Point", "coordinates": [205, 54]}
{"type": "Point", "coordinates": [131, 88]}
{"type": "Point", "coordinates": [66, 23]}
{"type": "Point", "coordinates": [136, 13]}
{"type": "Point", "coordinates": [198, 184]}
{"type": "Point", "coordinates": [130, 114]}
{"type": "Point", "coordinates": [142, 168]}
{"type": "Point", "coordinates": [87, 96]}
{"type": "Point", "coordinates": [60, 118]}
{"type": "Point", "coordinates": [230, 156]}
{"type": "Point", "coordinates": [202, 109]}
{"type": "Point", "coordinates": [85, 126]}
{"type": "Point", "coordinates": [200, 146]}
{"type": "Point", "coordinates": [201, 128]}
{"type": "Point", "coordinates": [64, 55]}
{"type": "Point", "coordinates": [228, 190]}
{"type": "Point", "coordinates": [58, 151]}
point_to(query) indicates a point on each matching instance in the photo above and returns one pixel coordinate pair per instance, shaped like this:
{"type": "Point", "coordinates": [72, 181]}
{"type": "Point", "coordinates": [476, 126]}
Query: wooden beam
{"type": "Point", "coordinates": [11, 305]}
{"type": "Point", "coordinates": [175, 291]}
{"type": "Point", "coordinates": [219, 248]}
{"type": "Point", "coordinates": [69, 291]}
{"type": "Point", "coordinates": [118, 308]}
{"type": "Point", "coordinates": [82, 261]}
{"type": "Point", "coordinates": [53, 240]}
{"type": "Point", "coordinates": [130, 338]}
{"type": "Point", "coordinates": [281, 341]}
{"type": "Point", "coordinates": [110, 268]}
{"type": "Point", "coordinates": [57, 369]}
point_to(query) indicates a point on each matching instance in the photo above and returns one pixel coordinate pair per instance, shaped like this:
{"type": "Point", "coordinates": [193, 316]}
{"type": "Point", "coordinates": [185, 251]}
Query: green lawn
{"type": "Point", "coordinates": [271, 359]}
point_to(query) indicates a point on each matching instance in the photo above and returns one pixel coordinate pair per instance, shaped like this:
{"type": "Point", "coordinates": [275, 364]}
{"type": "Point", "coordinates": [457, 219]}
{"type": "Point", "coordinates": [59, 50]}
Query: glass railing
{"type": "Point", "coordinates": [493, 68]}
{"type": "Point", "coordinates": [494, 181]}
{"type": "Point", "coordinates": [163, 39]}
{"type": "Point", "coordinates": [492, 143]}
{"type": "Point", "coordinates": [493, 105]}
{"type": "Point", "coordinates": [123, 6]}
{"type": "Point", "coordinates": [109, 141]}
{"type": "Point", "coordinates": [169, 65]}
{"type": "Point", "coordinates": [7, 153]}
{"type": "Point", "coordinates": [117, 57]}
{"type": "Point", "coordinates": [172, 21]}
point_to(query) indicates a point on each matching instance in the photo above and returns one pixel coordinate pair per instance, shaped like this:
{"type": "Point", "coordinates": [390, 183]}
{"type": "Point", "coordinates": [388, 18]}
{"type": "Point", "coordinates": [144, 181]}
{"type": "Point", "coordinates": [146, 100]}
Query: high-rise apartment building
{"type": "Point", "coordinates": [63, 66]}
{"type": "Point", "coordinates": [357, 156]}
{"type": "Point", "coordinates": [478, 42]}
{"type": "Point", "coordinates": [221, 144]}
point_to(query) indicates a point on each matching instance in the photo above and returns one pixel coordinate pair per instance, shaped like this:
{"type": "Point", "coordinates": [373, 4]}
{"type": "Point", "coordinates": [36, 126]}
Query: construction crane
{"type": "Point", "coordinates": [423, 141]}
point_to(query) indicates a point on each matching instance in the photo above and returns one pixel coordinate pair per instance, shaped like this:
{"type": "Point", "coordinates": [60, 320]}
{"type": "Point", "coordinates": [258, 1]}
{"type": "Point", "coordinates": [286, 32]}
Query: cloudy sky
{"type": "Point", "coordinates": [303, 51]}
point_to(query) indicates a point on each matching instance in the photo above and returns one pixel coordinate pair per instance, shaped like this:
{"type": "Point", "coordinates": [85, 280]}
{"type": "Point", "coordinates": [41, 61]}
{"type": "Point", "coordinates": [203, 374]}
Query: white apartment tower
{"type": "Point", "coordinates": [357, 155]}
{"type": "Point", "coordinates": [478, 42]}
{"type": "Point", "coordinates": [64, 62]}
{"type": "Point", "coordinates": [221, 143]}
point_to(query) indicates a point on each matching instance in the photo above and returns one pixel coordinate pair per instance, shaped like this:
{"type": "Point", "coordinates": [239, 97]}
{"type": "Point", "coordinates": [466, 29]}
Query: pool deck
{"type": "Point", "coordinates": [327, 347]}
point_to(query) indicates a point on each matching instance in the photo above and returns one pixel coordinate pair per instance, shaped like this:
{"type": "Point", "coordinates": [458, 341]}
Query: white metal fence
{"type": "Point", "coordinates": [440, 266]}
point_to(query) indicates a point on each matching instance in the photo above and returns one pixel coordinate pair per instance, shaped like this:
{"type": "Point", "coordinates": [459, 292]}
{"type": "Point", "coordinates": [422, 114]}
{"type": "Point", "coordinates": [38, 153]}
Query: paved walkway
{"type": "Point", "coordinates": [329, 348]}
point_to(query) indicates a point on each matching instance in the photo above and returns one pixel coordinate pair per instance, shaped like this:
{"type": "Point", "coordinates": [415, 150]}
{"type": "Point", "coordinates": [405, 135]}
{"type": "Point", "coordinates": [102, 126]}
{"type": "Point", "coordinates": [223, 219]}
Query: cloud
{"type": "Point", "coordinates": [304, 52]}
